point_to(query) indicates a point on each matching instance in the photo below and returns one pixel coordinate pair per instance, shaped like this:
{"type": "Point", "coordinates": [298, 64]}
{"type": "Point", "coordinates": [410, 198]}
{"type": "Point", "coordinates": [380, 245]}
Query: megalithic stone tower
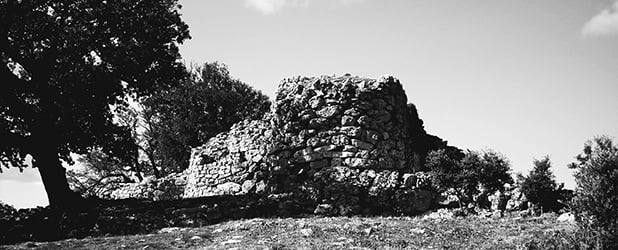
{"type": "Point", "coordinates": [344, 140]}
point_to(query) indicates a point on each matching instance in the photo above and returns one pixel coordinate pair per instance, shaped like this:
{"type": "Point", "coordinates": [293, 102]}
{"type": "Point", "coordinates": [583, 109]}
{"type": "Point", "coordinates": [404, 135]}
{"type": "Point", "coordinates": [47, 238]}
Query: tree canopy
{"type": "Point", "coordinates": [65, 62]}
{"type": "Point", "coordinates": [489, 170]}
{"type": "Point", "coordinates": [540, 185]}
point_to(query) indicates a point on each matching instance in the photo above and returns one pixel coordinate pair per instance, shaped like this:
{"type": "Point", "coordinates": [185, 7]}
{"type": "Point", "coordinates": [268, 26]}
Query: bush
{"type": "Point", "coordinates": [595, 203]}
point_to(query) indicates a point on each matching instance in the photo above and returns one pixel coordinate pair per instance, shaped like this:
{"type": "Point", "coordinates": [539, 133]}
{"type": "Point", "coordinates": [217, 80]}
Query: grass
{"type": "Point", "coordinates": [430, 231]}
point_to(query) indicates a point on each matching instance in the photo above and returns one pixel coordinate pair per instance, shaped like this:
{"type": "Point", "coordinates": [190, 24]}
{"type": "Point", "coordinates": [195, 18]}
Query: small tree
{"type": "Point", "coordinates": [540, 186]}
{"type": "Point", "coordinates": [495, 171]}
{"type": "Point", "coordinates": [445, 170]}
{"type": "Point", "coordinates": [595, 203]}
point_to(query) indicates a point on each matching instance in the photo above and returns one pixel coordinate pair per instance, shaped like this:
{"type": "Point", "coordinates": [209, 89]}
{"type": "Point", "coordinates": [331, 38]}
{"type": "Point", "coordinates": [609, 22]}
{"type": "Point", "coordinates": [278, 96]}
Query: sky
{"type": "Point", "coordinates": [525, 78]}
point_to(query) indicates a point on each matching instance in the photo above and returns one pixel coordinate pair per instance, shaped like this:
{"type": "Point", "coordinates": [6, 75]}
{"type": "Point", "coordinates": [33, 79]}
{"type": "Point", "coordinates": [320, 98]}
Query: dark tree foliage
{"type": "Point", "coordinates": [595, 203]}
{"type": "Point", "coordinates": [540, 186]}
{"type": "Point", "coordinates": [494, 172]}
{"type": "Point", "coordinates": [207, 103]}
{"type": "Point", "coordinates": [445, 169]}
{"type": "Point", "coordinates": [6, 211]}
{"type": "Point", "coordinates": [65, 62]}
{"type": "Point", "coordinates": [489, 170]}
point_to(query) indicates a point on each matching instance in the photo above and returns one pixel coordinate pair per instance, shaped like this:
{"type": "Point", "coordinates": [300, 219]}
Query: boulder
{"type": "Point", "coordinates": [566, 218]}
{"type": "Point", "coordinates": [229, 188]}
{"type": "Point", "coordinates": [517, 200]}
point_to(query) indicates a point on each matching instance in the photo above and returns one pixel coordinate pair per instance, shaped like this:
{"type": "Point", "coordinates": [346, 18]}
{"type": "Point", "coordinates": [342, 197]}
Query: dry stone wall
{"type": "Point", "coordinates": [231, 163]}
{"type": "Point", "coordinates": [170, 187]}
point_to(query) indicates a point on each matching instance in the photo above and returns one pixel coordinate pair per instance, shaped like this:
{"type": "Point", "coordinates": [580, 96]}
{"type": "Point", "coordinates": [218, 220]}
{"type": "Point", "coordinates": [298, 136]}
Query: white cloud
{"type": "Point", "coordinates": [268, 7]}
{"type": "Point", "coordinates": [604, 23]}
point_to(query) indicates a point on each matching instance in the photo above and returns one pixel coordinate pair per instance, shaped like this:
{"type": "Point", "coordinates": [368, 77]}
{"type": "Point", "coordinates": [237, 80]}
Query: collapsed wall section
{"type": "Point", "coordinates": [232, 162]}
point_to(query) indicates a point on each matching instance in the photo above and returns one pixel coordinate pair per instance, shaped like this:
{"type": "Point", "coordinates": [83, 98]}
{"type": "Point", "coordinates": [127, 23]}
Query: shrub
{"type": "Point", "coordinates": [595, 203]}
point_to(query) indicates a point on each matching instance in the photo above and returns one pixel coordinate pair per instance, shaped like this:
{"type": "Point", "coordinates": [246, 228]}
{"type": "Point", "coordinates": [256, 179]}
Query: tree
{"type": "Point", "coordinates": [494, 171]}
{"type": "Point", "coordinates": [99, 171]}
{"type": "Point", "coordinates": [446, 172]}
{"type": "Point", "coordinates": [207, 103]}
{"type": "Point", "coordinates": [64, 64]}
{"type": "Point", "coordinates": [540, 186]}
{"type": "Point", "coordinates": [489, 170]}
{"type": "Point", "coordinates": [596, 195]}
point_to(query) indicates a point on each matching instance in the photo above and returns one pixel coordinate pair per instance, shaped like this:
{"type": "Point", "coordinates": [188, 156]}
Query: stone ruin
{"type": "Point", "coordinates": [343, 145]}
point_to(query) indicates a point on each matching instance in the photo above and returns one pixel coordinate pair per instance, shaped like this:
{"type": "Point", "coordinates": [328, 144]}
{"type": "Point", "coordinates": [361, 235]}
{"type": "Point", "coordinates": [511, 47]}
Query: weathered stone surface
{"type": "Point", "coordinates": [239, 155]}
{"type": "Point", "coordinates": [248, 186]}
{"type": "Point", "coordinates": [229, 188]}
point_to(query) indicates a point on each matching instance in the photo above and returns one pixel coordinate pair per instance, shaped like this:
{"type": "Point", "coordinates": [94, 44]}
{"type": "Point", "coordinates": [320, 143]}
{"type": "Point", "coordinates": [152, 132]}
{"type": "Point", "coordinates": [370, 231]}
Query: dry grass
{"type": "Point", "coordinates": [431, 231]}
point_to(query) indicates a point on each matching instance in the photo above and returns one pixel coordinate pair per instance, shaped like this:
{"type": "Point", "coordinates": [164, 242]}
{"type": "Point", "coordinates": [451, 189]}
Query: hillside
{"type": "Point", "coordinates": [436, 230]}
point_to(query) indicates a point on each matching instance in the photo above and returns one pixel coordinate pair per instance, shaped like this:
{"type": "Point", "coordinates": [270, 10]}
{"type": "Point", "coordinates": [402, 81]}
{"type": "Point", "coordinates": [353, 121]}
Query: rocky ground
{"type": "Point", "coordinates": [435, 230]}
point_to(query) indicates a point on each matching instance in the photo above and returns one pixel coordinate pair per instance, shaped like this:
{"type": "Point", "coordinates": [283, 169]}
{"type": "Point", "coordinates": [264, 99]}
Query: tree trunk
{"type": "Point", "coordinates": [54, 177]}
